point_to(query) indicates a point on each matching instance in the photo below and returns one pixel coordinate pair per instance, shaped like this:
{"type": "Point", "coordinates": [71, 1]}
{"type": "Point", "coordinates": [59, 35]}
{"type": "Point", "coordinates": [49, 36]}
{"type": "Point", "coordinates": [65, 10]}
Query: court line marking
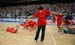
{"type": "Point", "coordinates": [52, 37]}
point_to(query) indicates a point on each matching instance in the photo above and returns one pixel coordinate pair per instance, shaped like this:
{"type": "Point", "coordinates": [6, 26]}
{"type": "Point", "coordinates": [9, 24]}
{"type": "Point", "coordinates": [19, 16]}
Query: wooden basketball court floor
{"type": "Point", "coordinates": [24, 37]}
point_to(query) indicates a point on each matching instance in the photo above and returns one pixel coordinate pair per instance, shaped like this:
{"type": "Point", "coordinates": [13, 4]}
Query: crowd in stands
{"type": "Point", "coordinates": [23, 10]}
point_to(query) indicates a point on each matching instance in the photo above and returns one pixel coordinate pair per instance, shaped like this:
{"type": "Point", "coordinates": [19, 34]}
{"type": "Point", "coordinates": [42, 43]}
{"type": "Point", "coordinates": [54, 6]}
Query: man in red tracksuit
{"type": "Point", "coordinates": [41, 15]}
{"type": "Point", "coordinates": [59, 22]}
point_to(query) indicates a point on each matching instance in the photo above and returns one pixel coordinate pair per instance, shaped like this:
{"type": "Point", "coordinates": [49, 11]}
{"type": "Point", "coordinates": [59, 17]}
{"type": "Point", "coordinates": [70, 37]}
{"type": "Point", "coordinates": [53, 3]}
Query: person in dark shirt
{"type": "Point", "coordinates": [68, 20]}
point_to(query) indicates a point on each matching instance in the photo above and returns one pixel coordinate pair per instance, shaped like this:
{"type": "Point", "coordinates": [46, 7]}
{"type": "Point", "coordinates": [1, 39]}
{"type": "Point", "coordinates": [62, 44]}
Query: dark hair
{"type": "Point", "coordinates": [40, 8]}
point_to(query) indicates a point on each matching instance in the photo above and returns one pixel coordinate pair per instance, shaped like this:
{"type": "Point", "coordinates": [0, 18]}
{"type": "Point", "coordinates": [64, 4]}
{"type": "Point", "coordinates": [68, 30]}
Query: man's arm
{"type": "Point", "coordinates": [55, 13]}
{"type": "Point", "coordinates": [32, 16]}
